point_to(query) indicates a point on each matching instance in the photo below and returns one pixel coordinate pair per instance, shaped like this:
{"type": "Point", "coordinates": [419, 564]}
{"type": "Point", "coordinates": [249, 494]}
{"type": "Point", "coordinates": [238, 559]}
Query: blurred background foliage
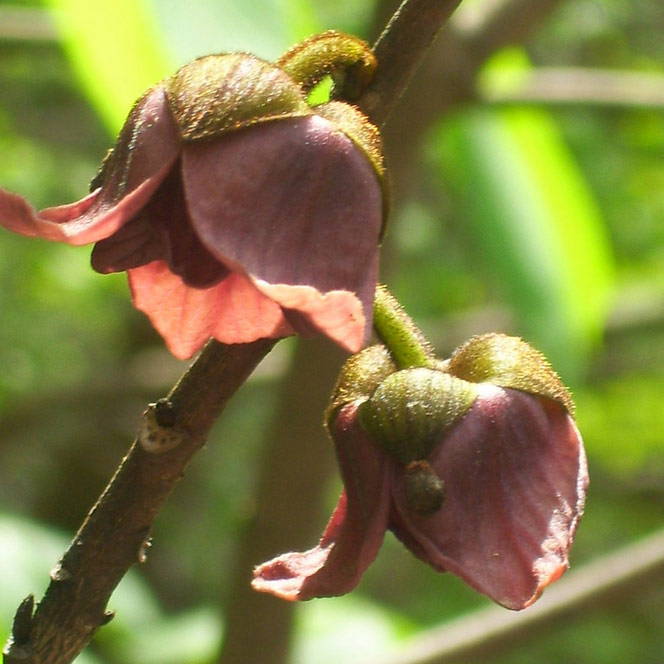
{"type": "Point", "coordinates": [545, 221]}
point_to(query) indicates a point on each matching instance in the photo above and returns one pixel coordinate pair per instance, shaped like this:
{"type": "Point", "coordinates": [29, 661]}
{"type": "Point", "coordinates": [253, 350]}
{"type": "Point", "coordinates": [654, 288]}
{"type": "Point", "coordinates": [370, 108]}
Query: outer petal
{"type": "Point", "coordinates": [515, 477]}
{"type": "Point", "coordinates": [232, 311]}
{"type": "Point", "coordinates": [354, 533]}
{"type": "Point", "coordinates": [146, 150]}
{"type": "Point", "coordinates": [338, 314]}
{"type": "Point", "coordinates": [292, 203]}
{"type": "Point", "coordinates": [161, 232]}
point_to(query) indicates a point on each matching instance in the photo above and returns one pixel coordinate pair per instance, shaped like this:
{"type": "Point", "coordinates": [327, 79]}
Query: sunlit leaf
{"type": "Point", "coordinates": [116, 49]}
{"type": "Point", "coordinates": [347, 629]}
{"type": "Point", "coordinates": [534, 222]}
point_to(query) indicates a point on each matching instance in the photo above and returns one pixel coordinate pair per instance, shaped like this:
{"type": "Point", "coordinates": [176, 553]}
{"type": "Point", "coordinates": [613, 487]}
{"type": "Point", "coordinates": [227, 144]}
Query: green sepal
{"type": "Point", "coordinates": [409, 411]}
{"type": "Point", "coordinates": [508, 362]}
{"type": "Point", "coordinates": [219, 93]}
{"type": "Point", "coordinates": [347, 59]}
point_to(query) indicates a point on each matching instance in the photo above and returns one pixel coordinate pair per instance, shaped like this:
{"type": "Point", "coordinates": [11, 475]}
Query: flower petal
{"type": "Point", "coordinates": [515, 477]}
{"type": "Point", "coordinates": [337, 314]}
{"type": "Point", "coordinates": [292, 203]}
{"type": "Point", "coordinates": [133, 245]}
{"type": "Point", "coordinates": [161, 231]}
{"type": "Point", "coordinates": [146, 150]}
{"type": "Point", "coordinates": [354, 533]}
{"type": "Point", "coordinates": [232, 311]}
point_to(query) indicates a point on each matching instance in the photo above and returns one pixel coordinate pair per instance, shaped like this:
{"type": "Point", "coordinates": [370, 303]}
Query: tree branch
{"type": "Point", "coordinates": [578, 85]}
{"type": "Point", "coordinates": [491, 25]}
{"type": "Point", "coordinates": [399, 51]}
{"type": "Point", "coordinates": [114, 534]}
{"type": "Point", "coordinates": [296, 461]}
{"type": "Point", "coordinates": [483, 633]}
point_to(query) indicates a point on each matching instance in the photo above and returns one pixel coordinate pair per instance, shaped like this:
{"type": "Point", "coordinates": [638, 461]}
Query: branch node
{"type": "Point", "coordinates": [22, 625]}
{"type": "Point", "coordinates": [157, 432]}
{"type": "Point", "coordinates": [106, 618]}
{"type": "Point", "coordinates": [18, 646]}
{"type": "Point", "coordinates": [146, 544]}
{"type": "Point", "coordinates": [60, 572]}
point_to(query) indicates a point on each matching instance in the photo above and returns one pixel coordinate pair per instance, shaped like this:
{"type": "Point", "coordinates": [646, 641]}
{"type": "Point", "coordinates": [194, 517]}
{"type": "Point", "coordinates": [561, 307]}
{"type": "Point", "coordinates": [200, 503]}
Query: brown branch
{"type": "Point", "coordinates": [486, 633]}
{"type": "Point", "coordinates": [113, 536]}
{"type": "Point", "coordinates": [493, 24]}
{"type": "Point", "coordinates": [296, 462]}
{"type": "Point", "coordinates": [399, 51]}
{"type": "Point", "coordinates": [26, 24]}
{"type": "Point", "coordinates": [578, 85]}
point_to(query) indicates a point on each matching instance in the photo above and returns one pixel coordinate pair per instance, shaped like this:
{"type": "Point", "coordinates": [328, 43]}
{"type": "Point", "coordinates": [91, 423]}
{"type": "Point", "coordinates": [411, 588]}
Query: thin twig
{"type": "Point", "coordinates": [296, 461]}
{"type": "Point", "coordinates": [583, 86]}
{"type": "Point", "coordinates": [399, 51]}
{"type": "Point", "coordinates": [483, 633]}
{"type": "Point", "coordinates": [26, 24]}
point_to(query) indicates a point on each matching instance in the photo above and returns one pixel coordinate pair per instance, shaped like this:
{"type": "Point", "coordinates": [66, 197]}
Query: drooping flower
{"type": "Point", "coordinates": [476, 466]}
{"type": "Point", "coordinates": [239, 211]}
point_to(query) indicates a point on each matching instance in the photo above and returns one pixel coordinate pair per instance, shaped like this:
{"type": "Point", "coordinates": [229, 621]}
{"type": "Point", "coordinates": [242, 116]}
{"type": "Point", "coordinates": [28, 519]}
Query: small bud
{"type": "Point", "coordinates": [411, 408]}
{"type": "Point", "coordinates": [424, 490]}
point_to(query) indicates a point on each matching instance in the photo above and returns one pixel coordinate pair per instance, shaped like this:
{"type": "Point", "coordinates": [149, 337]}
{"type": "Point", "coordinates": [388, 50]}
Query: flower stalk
{"type": "Point", "coordinates": [397, 330]}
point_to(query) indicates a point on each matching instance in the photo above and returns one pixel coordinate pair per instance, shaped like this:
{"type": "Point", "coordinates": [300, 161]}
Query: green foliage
{"type": "Point", "coordinates": [532, 217]}
{"type": "Point", "coordinates": [116, 50]}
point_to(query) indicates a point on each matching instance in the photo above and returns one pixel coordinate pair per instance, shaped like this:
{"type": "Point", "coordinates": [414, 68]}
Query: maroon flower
{"type": "Point", "coordinates": [238, 211]}
{"type": "Point", "coordinates": [482, 480]}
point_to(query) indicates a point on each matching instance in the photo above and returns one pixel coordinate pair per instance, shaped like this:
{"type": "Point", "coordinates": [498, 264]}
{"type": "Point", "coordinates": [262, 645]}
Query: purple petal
{"type": "Point", "coordinates": [161, 231]}
{"type": "Point", "coordinates": [515, 477]}
{"type": "Point", "coordinates": [133, 245]}
{"type": "Point", "coordinates": [354, 533]}
{"type": "Point", "coordinates": [290, 203]}
{"type": "Point", "coordinates": [184, 252]}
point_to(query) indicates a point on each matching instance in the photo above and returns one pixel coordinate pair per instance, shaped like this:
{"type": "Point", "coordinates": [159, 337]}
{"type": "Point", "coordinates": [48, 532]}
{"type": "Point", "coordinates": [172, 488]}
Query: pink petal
{"type": "Point", "coordinates": [515, 477]}
{"type": "Point", "coordinates": [292, 203]}
{"type": "Point", "coordinates": [337, 314]}
{"type": "Point", "coordinates": [232, 311]}
{"type": "Point", "coordinates": [146, 150]}
{"type": "Point", "coordinates": [354, 533]}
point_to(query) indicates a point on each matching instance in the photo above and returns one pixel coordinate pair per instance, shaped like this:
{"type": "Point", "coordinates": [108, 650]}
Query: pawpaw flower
{"type": "Point", "coordinates": [239, 211]}
{"type": "Point", "coordinates": [476, 466]}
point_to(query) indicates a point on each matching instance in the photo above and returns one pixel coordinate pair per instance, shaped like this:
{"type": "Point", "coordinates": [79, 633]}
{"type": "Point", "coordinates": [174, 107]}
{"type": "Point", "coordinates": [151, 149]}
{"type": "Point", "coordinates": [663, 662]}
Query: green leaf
{"type": "Point", "coordinates": [265, 29]}
{"type": "Point", "coordinates": [115, 48]}
{"type": "Point", "coordinates": [535, 224]}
